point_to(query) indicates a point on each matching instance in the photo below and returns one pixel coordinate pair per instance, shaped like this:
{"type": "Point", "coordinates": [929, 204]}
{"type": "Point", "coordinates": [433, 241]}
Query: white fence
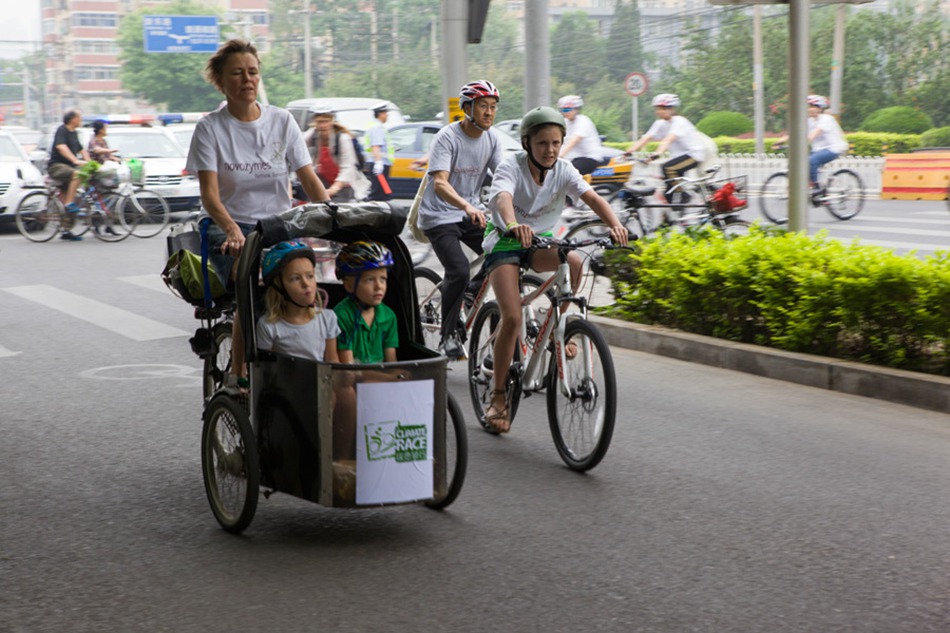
{"type": "Point", "coordinates": [758, 167]}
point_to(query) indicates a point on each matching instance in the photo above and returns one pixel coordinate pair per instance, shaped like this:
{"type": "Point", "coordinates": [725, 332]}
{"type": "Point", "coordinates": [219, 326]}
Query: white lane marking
{"type": "Point", "coordinates": [128, 324]}
{"type": "Point", "coordinates": [152, 282]}
{"type": "Point", "coordinates": [4, 352]}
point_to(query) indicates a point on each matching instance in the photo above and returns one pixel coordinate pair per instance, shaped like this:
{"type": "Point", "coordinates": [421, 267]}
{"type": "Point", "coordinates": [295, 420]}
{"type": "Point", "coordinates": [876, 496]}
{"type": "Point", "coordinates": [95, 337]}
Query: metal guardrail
{"type": "Point", "coordinates": [758, 167]}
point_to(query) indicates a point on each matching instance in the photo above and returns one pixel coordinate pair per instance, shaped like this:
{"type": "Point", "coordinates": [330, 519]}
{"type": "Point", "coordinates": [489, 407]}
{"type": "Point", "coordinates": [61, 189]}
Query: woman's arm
{"type": "Point", "coordinates": [211, 201]}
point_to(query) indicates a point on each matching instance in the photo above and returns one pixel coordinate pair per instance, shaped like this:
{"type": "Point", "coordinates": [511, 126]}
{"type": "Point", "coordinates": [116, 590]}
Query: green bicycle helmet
{"type": "Point", "coordinates": [531, 122]}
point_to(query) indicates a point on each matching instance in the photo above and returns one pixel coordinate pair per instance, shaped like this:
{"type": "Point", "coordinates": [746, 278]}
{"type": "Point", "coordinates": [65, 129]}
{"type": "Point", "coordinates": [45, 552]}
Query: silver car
{"type": "Point", "coordinates": [16, 174]}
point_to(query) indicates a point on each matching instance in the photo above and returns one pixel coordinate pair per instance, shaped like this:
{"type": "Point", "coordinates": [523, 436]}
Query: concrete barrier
{"type": "Point", "coordinates": [916, 176]}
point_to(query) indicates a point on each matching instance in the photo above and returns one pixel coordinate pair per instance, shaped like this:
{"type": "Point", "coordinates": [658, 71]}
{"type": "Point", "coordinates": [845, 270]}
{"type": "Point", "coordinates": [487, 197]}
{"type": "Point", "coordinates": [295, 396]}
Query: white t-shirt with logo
{"type": "Point", "coordinates": [688, 140]}
{"type": "Point", "coordinates": [537, 206]}
{"type": "Point", "coordinates": [253, 160]}
{"type": "Point", "coordinates": [589, 146]}
{"type": "Point", "coordinates": [467, 160]}
{"type": "Point", "coordinates": [307, 340]}
{"type": "Point", "coordinates": [831, 136]}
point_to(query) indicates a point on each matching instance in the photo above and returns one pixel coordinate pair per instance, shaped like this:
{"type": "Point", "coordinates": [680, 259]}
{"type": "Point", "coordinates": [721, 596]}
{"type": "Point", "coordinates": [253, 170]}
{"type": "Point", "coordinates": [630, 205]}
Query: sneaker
{"type": "Point", "coordinates": [70, 237]}
{"type": "Point", "coordinates": [72, 207]}
{"type": "Point", "coordinates": [453, 348]}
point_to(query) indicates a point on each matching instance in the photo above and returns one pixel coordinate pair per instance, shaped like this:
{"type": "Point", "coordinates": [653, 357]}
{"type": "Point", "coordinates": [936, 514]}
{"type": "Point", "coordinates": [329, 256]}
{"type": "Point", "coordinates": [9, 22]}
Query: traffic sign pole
{"type": "Point", "coordinates": [636, 84]}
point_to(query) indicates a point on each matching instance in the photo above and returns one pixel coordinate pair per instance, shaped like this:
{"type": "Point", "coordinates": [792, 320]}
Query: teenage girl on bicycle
{"type": "Point", "coordinates": [825, 137]}
{"type": "Point", "coordinates": [527, 197]}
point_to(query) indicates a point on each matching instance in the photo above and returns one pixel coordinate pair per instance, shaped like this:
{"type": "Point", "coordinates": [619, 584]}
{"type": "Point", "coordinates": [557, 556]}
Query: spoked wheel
{"type": "Point", "coordinates": [217, 366]}
{"type": "Point", "coordinates": [773, 200]}
{"type": "Point", "coordinates": [481, 366]}
{"type": "Point", "coordinates": [230, 463]}
{"type": "Point", "coordinates": [582, 420]}
{"type": "Point", "coordinates": [732, 226]}
{"type": "Point", "coordinates": [39, 216]}
{"type": "Point", "coordinates": [844, 194]}
{"type": "Point", "coordinates": [456, 455]}
{"type": "Point", "coordinates": [147, 213]}
{"type": "Point", "coordinates": [429, 294]}
{"type": "Point", "coordinates": [107, 217]}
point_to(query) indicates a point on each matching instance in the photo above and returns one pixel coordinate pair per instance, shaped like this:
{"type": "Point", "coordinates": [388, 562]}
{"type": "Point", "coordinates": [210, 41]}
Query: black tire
{"type": "Point", "coordinates": [732, 226]}
{"type": "Point", "coordinates": [481, 370]}
{"type": "Point", "coordinates": [456, 455]}
{"type": "Point", "coordinates": [773, 199]}
{"type": "Point", "coordinates": [844, 194]}
{"type": "Point", "coordinates": [147, 213]}
{"type": "Point", "coordinates": [217, 366]}
{"type": "Point", "coordinates": [230, 463]}
{"type": "Point", "coordinates": [429, 295]}
{"type": "Point", "coordinates": [107, 217]}
{"type": "Point", "coordinates": [582, 424]}
{"type": "Point", "coordinates": [39, 216]}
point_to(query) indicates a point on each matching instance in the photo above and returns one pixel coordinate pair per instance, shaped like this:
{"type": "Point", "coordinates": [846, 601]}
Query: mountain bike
{"type": "Point", "coordinates": [841, 193]}
{"type": "Point", "coordinates": [581, 390]}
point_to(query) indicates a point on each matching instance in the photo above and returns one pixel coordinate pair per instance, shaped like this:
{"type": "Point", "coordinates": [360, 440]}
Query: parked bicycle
{"type": "Point", "coordinates": [581, 390]}
{"type": "Point", "coordinates": [841, 193]}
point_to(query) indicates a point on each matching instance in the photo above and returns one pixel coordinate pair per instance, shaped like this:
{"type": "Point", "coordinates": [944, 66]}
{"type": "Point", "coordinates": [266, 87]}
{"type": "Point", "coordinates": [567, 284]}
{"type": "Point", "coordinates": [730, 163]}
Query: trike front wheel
{"type": "Point", "coordinates": [456, 455]}
{"type": "Point", "coordinates": [230, 463]}
{"type": "Point", "coordinates": [582, 407]}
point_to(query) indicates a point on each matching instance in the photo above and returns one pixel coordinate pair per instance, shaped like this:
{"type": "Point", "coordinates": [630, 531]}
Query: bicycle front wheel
{"type": "Point", "coordinates": [773, 200]}
{"type": "Point", "coordinates": [429, 295]}
{"type": "Point", "coordinates": [147, 212]}
{"type": "Point", "coordinates": [230, 463]}
{"type": "Point", "coordinates": [108, 218]}
{"type": "Point", "coordinates": [39, 216]}
{"type": "Point", "coordinates": [582, 406]}
{"type": "Point", "coordinates": [456, 455]}
{"type": "Point", "coordinates": [844, 194]}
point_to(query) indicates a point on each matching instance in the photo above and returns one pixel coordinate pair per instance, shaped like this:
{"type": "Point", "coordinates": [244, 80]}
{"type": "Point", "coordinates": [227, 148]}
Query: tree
{"type": "Point", "coordinates": [578, 53]}
{"type": "Point", "coordinates": [175, 79]}
{"type": "Point", "coordinates": [624, 51]}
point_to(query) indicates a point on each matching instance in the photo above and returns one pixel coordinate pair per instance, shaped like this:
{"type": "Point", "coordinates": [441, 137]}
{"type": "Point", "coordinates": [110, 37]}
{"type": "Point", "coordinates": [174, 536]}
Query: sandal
{"type": "Point", "coordinates": [570, 350]}
{"type": "Point", "coordinates": [498, 421]}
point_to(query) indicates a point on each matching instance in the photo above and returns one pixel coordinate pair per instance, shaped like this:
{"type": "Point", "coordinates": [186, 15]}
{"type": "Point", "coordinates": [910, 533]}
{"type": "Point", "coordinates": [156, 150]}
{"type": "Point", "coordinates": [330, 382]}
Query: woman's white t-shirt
{"type": "Point", "coordinates": [831, 136]}
{"type": "Point", "coordinates": [308, 340]}
{"type": "Point", "coordinates": [537, 206]}
{"type": "Point", "coordinates": [253, 160]}
{"type": "Point", "coordinates": [688, 140]}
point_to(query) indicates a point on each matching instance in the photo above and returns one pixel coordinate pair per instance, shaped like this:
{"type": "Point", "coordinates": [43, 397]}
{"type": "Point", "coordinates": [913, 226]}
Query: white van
{"type": "Point", "coordinates": [355, 114]}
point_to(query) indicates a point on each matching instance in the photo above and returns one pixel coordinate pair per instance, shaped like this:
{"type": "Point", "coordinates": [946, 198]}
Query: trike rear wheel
{"type": "Point", "coordinates": [230, 463]}
{"type": "Point", "coordinates": [456, 455]}
{"type": "Point", "coordinates": [582, 420]}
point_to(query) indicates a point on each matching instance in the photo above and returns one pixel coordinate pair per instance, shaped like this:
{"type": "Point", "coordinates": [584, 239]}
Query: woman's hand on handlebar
{"type": "Point", "coordinates": [522, 233]}
{"type": "Point", "coordinates": [233, 242]}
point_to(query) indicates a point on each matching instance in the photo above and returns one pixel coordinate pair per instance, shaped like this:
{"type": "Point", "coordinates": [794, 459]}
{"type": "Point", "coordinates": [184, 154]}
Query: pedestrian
{"type": "Point", "coordinates": [243, 154]}
{"type": "Point", "coordinates": [451, 212]}
{"type": "Point", "coordinates": [66, 156]}
{"type": "Point", "coordinates": [382, 153]}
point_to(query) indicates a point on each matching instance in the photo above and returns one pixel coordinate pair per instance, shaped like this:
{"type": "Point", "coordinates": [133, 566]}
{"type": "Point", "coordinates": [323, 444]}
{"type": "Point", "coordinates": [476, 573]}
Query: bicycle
{"type": "Point", "coordinates": [41, 214]}
{"type": "Point", "coordinates": [581, 391]}
{"type": "Point", "coordinates": [841, 194]}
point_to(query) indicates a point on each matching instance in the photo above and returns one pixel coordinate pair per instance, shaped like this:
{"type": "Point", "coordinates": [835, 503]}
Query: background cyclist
{"type": "Point", "coordinates": [527, 197]}
{"type": "Point", "coordinates": [459, 158]}
{"type": "Point", "coordinates": [825, 136]}
{"type": "Point", "coordinates": [676, 133]}
{"type": "Point", "coordinates": [582, 145]}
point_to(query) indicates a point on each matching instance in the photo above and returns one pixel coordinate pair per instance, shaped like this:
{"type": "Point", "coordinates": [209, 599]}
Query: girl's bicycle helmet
{"type": "Point", "coordinates": [818, 101]}
{"type": "Point", "coordinates": [571, 102]}
{"type": "Point", "coordinates": [360, 256]}
{"type": "Point", "coordinates": [277, 257]}
{"type": "Point", "coordinates": [477, 90]}
{"type": "Point", "coordinates": [666, 100]}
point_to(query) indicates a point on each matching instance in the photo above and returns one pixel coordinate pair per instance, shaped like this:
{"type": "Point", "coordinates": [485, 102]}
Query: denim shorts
{"type": "Point", "coordinates": [220, 262]}
{"type": "Point", "coordinates": [521, 257]}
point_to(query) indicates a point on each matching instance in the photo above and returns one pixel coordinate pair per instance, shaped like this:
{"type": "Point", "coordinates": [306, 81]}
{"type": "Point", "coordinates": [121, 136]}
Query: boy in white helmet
{"type": "Point", "coordinates": [677, 134]}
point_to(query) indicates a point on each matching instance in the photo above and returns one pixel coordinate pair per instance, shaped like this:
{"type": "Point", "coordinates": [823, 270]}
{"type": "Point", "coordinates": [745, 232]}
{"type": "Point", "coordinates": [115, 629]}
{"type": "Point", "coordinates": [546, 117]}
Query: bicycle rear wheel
{"type": "Point", "coordinates": [39, 216]}
{"type": "Point", "coordinates": [773, 200]}
{"type": "Point", "coordinates": [456, 455]}
{"type": "Point", "coordinates": [107, 217]}
{"type": "Point", "coordinates": [147, 213]}
{"type": "Point", "coordinates": [844, 194]}
{"type": "Point", "coordinates": [230, 463]}
{"type": "Point", "coordinates": [582, 420]}
{"type": "Point", "coordinates": [429, 295]}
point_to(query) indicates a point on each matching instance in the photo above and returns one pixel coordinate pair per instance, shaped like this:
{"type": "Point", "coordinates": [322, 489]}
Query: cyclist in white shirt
{"type": "Point", "coordinates": [581, 141]}
{"type": "Point", "coordinates": [527, 197]}
{"type": "Point", "coordinates": [825, 136]}
{"type": "Point", "coordinates": [677, 134]}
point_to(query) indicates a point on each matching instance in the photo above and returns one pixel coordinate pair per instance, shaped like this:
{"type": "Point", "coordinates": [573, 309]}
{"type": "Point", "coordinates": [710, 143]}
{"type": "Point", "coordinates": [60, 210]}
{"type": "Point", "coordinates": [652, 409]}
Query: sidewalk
{"type": "Point", "coordinates": [914, 389]}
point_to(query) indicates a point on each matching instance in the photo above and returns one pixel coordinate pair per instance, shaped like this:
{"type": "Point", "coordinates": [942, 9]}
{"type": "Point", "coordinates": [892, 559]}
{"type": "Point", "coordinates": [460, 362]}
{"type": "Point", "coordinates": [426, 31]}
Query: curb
{"type": "Point", "coordinates": [924, 391]}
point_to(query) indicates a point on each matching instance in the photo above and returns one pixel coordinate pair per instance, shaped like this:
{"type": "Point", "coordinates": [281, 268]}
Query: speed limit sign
{"type": "Point", "coordinates": [636, 84]}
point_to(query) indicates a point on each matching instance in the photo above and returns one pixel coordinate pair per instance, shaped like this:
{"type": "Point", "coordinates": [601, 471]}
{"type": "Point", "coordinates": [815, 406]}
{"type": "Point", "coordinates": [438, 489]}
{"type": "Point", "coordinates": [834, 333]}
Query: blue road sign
{"type": "Point", "coordinates": [180, 33]}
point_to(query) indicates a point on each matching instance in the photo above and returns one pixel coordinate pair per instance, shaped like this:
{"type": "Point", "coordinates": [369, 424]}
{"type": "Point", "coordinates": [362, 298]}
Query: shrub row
{"type": "Point", "coordinates": [793, 292]}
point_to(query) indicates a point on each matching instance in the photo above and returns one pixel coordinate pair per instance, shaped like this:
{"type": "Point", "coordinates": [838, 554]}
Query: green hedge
{"type": "Point", "coordinates": [862, 144]}
{"type": "Point", "coordinates": [725, 124]}
{"type": "Point", "coordinates": [897, 119]}
{"type": "Point", "coordinates": [793, 292]}
{"type": "Point", "coordinates": [936, 137]}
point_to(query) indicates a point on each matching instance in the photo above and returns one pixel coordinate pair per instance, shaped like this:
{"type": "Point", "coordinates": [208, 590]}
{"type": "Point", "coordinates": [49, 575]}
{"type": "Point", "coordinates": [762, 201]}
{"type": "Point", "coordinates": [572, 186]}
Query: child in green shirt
{"type": "Point", "coordinates": [368, 332]}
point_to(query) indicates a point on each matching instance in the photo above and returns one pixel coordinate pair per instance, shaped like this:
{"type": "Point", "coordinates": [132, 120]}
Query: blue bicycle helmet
{"type": "Point", "coordinates": [277, 257]}
{"type": "Point", "coordinates": [360, 256]}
